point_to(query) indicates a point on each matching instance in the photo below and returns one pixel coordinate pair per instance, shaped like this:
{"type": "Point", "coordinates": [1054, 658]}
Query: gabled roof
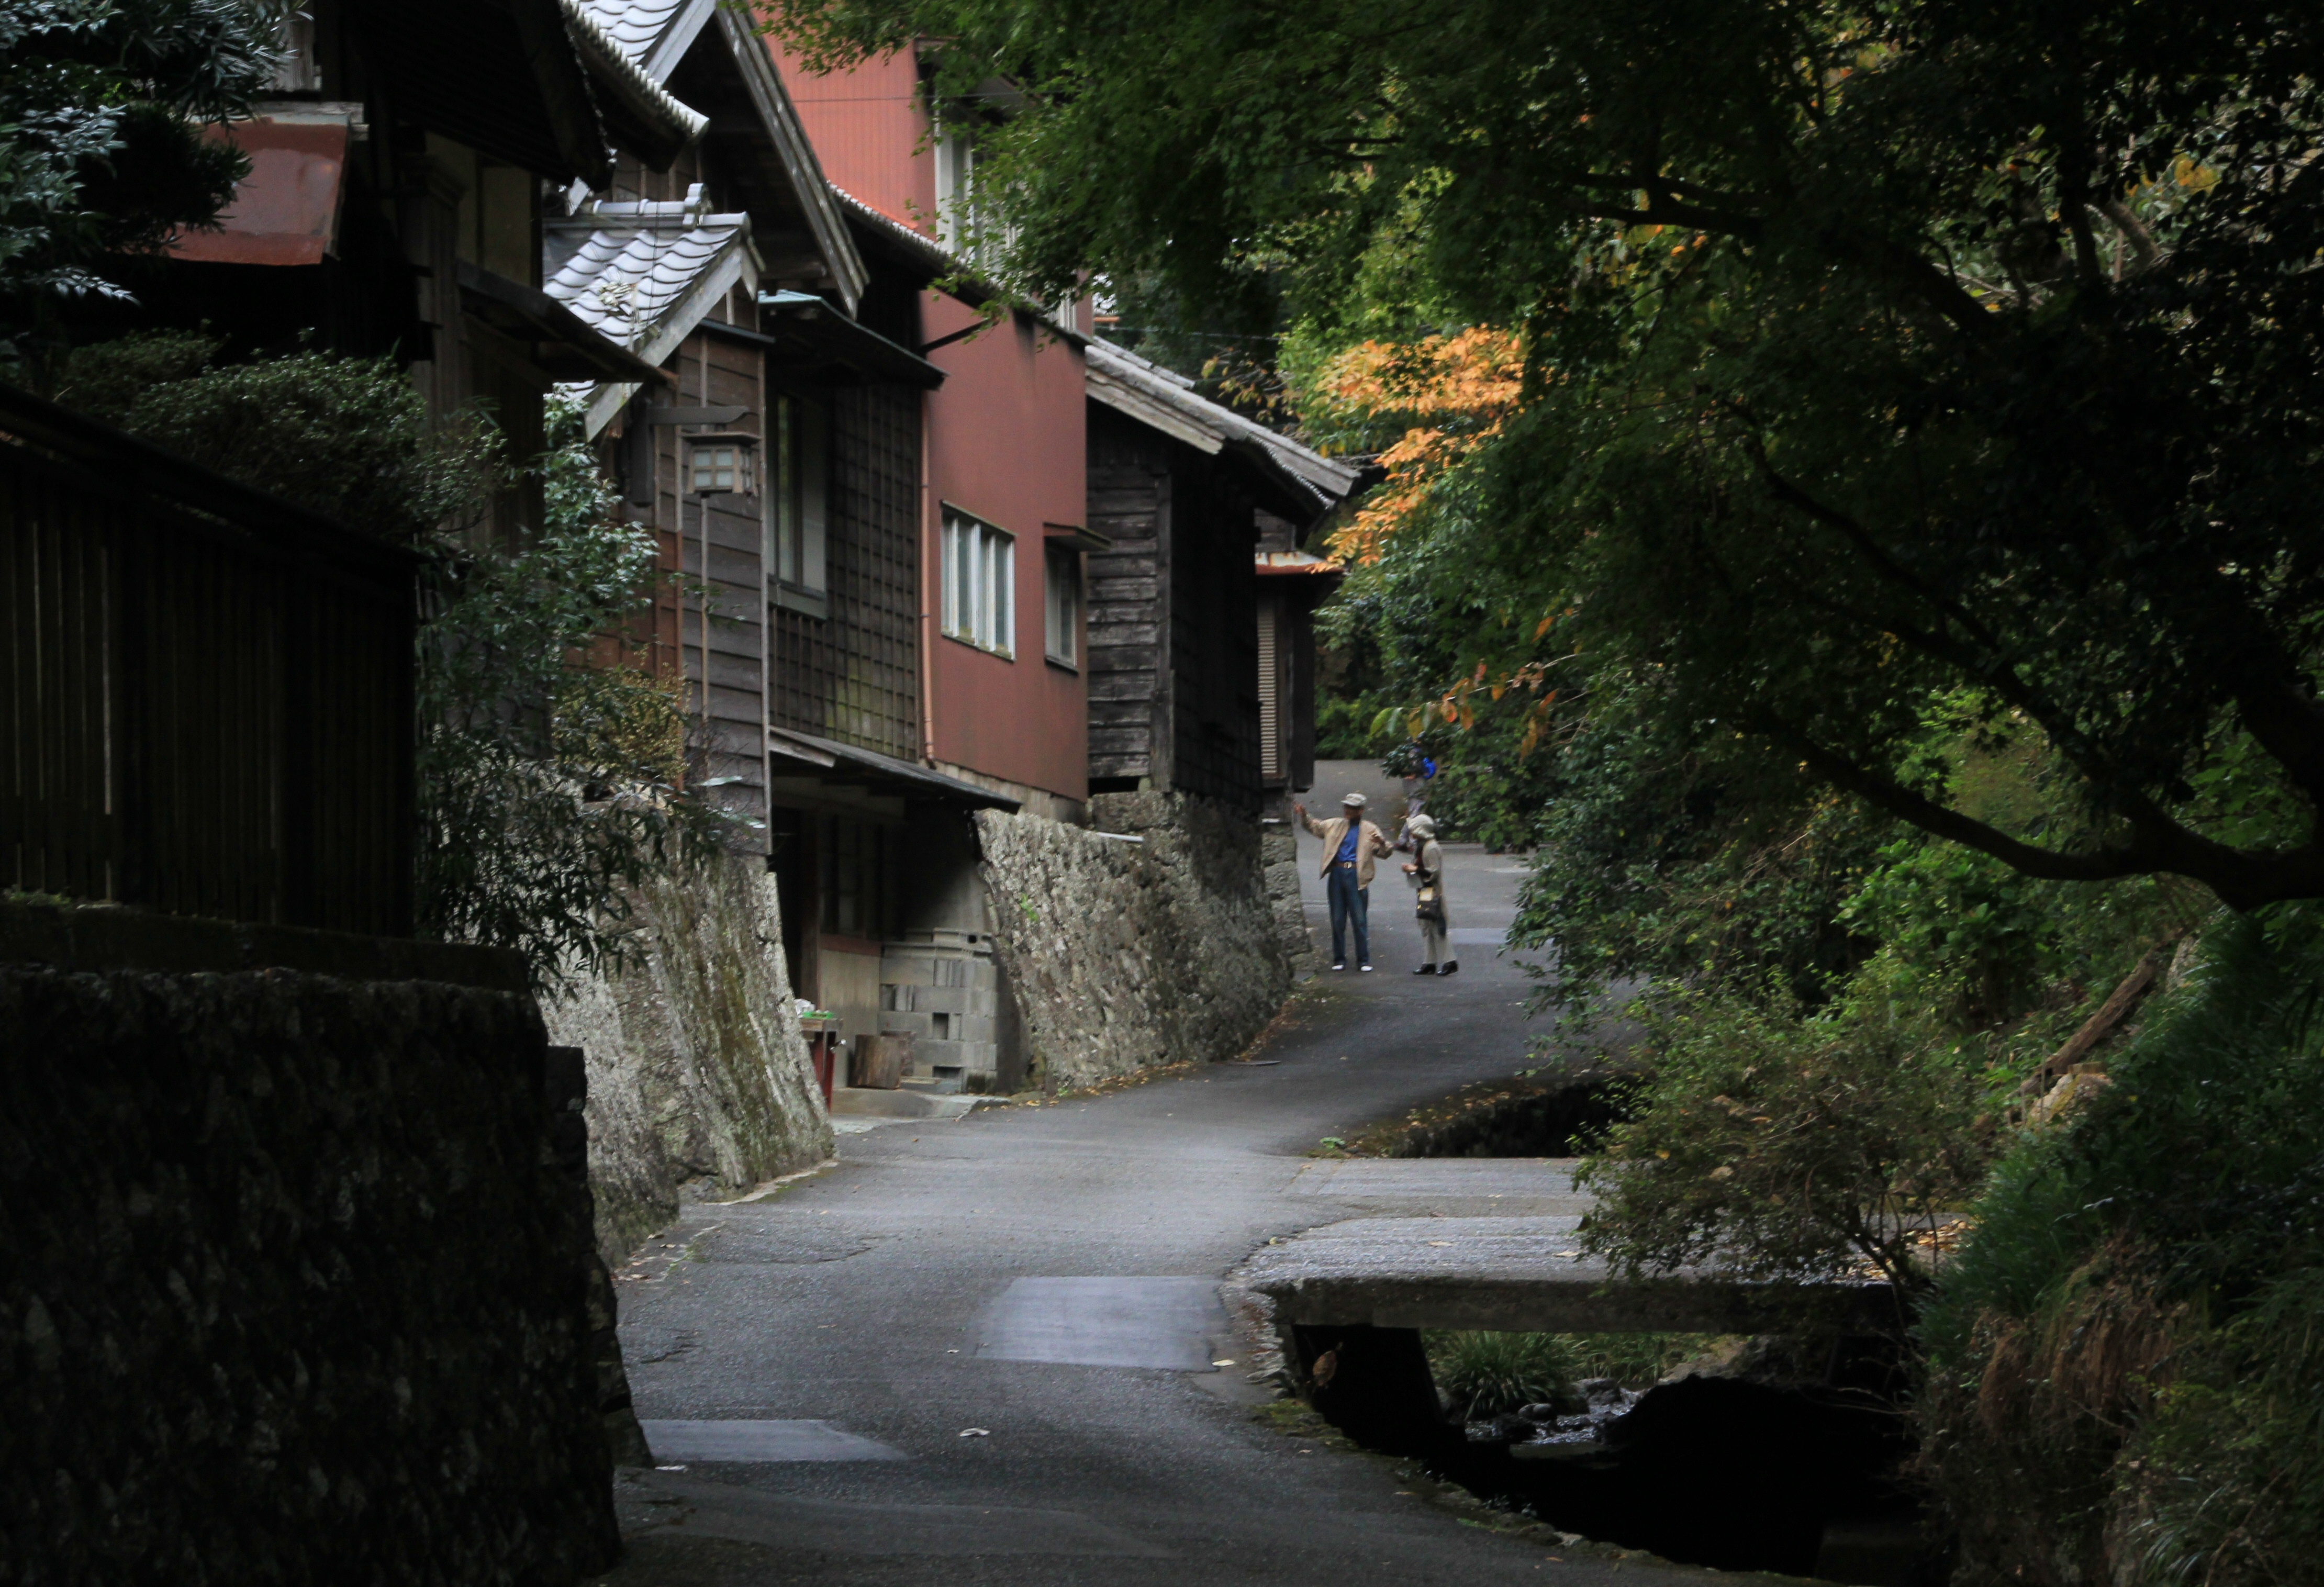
{"type": "Point", "coordinates": [644, 275]}
{"type": "Point", "coordinates": [1164, 400]}
{"type": "Point", "coordinates": [639, 111]}
{"type": "Point", "coordinates": [731, 76]}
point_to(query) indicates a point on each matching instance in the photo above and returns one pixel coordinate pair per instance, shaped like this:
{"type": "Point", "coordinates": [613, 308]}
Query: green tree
{"type": "Point", "coordinates": [1875, 355]}
{"type": "Point", "coordinates": [102, 152]}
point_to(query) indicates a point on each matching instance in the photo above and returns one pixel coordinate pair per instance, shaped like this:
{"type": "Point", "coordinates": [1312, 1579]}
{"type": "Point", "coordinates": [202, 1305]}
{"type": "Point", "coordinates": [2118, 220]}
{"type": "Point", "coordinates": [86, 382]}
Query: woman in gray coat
{"type": "Point", "coordinates": [1427, 869]}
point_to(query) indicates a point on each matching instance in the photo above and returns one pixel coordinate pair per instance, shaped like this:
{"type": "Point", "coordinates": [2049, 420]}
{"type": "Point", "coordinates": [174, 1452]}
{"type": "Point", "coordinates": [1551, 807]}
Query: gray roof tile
{"type": "Point", "coordinates": [622, 268]}
{"type": "Point", "coordinates": [652, 33]}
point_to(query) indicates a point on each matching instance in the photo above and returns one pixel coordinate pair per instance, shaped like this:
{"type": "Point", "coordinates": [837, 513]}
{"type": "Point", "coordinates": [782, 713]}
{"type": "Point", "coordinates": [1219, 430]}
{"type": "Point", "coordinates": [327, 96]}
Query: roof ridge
{"type": "Point", "coordinates": [1175, 389]}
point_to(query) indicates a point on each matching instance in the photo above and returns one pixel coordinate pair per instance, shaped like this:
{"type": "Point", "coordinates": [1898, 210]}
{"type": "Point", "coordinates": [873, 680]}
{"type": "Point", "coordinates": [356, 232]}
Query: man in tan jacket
{"type": "Point", "coordinates": [1350, 844]}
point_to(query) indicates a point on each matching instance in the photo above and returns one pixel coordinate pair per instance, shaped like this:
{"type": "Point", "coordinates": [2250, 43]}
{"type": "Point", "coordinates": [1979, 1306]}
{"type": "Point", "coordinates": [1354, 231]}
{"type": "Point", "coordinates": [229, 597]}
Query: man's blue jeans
{"type": "Point", "coordinates": [1348, 903]}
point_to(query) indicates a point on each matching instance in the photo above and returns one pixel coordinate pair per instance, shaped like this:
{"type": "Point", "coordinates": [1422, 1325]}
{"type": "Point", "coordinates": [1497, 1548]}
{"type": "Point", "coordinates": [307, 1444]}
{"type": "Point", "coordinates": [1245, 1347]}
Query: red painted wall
{"type": "Point", "coordinates": [1005, 440]}
{"type": "Point", "coordinates": [866, 124]}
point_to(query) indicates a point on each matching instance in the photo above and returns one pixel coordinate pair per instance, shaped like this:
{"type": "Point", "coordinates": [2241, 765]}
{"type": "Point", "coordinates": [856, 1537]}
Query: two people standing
{"type": "Point", "coordinates": [1350, 844]}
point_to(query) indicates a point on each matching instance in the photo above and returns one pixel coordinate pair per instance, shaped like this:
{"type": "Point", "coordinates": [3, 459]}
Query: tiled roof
{"type": "Point", "coordinates": [627, 77]}
{"type": "Point", "coordinates": [628, 269]}
{"type": "Point", "coordinates": [1151, 392]}
{"type": "Point", "coordinates": [654, 33]}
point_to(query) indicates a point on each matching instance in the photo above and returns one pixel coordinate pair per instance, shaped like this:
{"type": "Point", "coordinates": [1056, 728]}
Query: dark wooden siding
{"type": "Point", "coordinates": [1213, 633]}
{"type": "Point", "coordinates": [855, 675]}
{"type": "Point", "coordinates": [1129, 692]}
{"type": "Point", "coordinates": [1173, 616]}
{"type": "Point", "coordinates": [725, 699]}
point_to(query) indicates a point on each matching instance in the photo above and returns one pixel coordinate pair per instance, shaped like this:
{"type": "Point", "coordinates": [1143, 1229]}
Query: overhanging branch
{"type": "Point", "coordinates": [2243, 879]}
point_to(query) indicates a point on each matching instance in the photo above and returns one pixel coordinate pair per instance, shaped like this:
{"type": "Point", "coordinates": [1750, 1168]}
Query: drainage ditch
{"type": "Point", "coordinates": [1783, 1454]}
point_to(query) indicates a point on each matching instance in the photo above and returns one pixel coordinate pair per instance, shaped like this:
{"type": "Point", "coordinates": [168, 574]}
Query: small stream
{"type": "Point", "coordinates": [1789, 1456]}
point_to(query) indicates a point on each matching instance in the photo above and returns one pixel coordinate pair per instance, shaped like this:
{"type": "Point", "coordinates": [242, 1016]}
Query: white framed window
{"type": "Point", "coordinates": [979, 583]}
{"type": "Point", "coordinates": [797, 447]}
{"type": "Point", "coordinates": [1062, 600]}
{"type": "Point", "coordinates": [968, 221]}
{"type": "Point", "coordinates": [715, 465]}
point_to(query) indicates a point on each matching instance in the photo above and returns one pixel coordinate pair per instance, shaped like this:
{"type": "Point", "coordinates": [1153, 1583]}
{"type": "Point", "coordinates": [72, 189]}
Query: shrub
{"type": "Point", "coordinates": [1772, 1147]}
{"type": "Point", "coordinates": [348, 438]}
{"type": "Point", "coordinates": [552, 773]}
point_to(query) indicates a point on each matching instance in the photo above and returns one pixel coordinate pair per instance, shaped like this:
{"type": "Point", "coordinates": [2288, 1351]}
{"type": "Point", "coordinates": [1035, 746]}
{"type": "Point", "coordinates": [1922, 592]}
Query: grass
{"type": "Point", "coordinates": [1489, 1374]}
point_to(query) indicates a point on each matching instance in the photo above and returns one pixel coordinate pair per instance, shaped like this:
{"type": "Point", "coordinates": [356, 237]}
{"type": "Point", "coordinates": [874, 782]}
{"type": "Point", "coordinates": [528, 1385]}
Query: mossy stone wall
{"type": "Point", "coordinates": [297, 1291]}
{"type": "Point", "coordinates": [699, 1082]}
{"type": "Point", "coordinates": [1122, 955]}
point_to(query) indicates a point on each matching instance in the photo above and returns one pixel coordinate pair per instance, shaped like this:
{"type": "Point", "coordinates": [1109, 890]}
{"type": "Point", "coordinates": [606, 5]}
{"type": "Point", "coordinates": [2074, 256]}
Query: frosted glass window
{"type": "Point", "coordinates": [979, 584]}
{"type": "Point", "coordinates": [1063, 618]}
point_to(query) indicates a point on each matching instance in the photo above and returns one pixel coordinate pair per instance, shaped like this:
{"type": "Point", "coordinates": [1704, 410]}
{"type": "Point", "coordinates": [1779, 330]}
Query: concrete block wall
{"type": "Point", "coordinates": [944, 993]}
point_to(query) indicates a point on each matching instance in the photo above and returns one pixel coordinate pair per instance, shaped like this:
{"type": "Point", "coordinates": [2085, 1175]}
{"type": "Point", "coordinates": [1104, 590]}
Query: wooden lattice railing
{"type": "Point", "coordinates": [205, 693]}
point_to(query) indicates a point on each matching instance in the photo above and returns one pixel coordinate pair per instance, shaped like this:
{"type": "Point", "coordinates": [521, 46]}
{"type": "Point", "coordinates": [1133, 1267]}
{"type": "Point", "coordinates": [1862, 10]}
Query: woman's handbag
{"type": "Point", "coordinates": [1430, 904]}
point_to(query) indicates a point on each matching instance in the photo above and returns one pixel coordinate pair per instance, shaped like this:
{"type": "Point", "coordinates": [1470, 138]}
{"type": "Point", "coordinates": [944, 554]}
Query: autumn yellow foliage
{"type": "Point", "coordinates": [1453, 392]}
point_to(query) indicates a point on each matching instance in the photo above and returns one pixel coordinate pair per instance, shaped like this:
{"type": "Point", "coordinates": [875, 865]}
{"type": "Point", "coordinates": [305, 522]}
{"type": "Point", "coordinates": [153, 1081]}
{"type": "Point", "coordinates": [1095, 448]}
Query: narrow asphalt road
{"type": "Point", "coordinates": [888, 1306]}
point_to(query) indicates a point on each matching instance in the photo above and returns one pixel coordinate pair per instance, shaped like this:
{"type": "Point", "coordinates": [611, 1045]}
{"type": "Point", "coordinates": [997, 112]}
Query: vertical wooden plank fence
{"type": "Point", "coordinates": [205, 693]}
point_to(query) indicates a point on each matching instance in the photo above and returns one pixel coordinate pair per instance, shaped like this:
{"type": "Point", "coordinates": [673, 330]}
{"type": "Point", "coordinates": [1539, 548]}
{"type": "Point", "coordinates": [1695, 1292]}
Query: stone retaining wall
{"type": "Point", "coordinates": [699, 1082]}
{"type": "Point", "coordinates": [1122, 955]}
{"type": "Point", "coordinates": [1279, 852]}
{"type": "Point", "coordinates": [297, 1291]}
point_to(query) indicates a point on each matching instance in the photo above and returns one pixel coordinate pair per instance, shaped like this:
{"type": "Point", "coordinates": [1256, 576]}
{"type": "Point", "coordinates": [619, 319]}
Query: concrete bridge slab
{"type": "Point", "coordinates": [1525, 1274]}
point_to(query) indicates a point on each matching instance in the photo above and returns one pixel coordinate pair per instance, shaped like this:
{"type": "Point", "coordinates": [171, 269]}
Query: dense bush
{"type": "Point", "coordinates": [2124, 1382]}
{"type": "Point", "coordinates": [1773, 1145]}
{"type": "Point", "coordinates": [553, 766]}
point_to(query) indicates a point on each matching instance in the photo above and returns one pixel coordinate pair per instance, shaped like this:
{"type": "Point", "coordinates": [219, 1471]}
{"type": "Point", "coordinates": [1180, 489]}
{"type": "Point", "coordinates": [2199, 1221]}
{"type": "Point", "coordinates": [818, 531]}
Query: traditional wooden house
{"type": "Point", "coordinates": [782, 465]}
{"type": "Point", "coordinates": [253, 759]}
{"type": "Point", "coordinates": [997, 583]}
{"type": "Point", "coordinates": [395, 197]}
{"type": "Point", "coordinates": [1202, 650]}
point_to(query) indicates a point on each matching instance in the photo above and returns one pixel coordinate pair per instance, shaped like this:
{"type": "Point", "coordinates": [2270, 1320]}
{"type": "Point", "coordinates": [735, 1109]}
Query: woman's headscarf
{"type": "Point", "coordinates": [1422, 827]}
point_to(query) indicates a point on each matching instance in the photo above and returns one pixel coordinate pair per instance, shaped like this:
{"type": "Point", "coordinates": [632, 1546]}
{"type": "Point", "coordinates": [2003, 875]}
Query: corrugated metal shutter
{"type": "Point", "coordinates": [1270, 692]}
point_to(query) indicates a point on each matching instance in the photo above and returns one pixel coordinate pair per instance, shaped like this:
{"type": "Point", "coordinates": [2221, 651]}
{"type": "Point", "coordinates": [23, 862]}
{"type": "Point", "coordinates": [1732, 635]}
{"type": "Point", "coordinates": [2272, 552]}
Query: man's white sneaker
{"type": "Point", "coordinates": [1365, 968]}
{"type": "Point", "coordinates": [1342, 965]}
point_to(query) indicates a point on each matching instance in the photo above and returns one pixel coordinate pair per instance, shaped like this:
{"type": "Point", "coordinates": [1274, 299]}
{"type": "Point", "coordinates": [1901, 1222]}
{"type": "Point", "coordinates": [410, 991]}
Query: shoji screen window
{"type": "Point", "coordinates": [979, 584]}
{"type": "Point", "coordinates": [720, 464]}
{"type": "Point", "coordinates": [796, 451]}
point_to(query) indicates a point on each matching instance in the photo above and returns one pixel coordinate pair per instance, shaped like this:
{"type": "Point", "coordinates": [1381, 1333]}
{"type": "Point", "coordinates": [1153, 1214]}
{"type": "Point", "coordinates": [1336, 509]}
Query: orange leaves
{"type": "Point", "coordinates": [1453, 392]}
{"type": "Point", "coordinates": [1458, 705]}
{"type": "Point", "coordinates": [1475, 374]}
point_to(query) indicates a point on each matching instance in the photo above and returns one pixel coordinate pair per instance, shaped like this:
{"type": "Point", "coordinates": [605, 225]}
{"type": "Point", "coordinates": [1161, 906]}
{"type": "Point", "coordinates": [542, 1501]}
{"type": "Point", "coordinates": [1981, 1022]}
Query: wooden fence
{"type": "Point", "coordinates": [205, 693]}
